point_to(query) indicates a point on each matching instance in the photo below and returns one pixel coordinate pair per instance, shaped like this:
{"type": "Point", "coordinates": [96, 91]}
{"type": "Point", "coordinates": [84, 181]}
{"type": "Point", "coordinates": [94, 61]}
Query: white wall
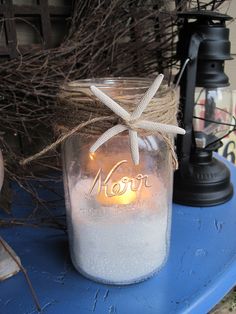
{"type": "Point", "coordinates": [230, 66]}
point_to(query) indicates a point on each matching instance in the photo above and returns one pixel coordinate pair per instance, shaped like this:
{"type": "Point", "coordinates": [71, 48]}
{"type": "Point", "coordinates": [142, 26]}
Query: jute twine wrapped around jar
{"type": "Point", "coordinates": [79, 111]}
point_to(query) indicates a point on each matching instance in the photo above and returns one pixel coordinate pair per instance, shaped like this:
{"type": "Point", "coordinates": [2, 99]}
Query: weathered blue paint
{"type": "Point", "coordinates": [200, 270]}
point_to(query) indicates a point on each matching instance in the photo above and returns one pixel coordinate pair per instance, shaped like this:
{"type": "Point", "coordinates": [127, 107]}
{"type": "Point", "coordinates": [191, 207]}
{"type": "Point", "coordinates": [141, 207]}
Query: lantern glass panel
{"type": "Point", "coordinates": [212, 115]}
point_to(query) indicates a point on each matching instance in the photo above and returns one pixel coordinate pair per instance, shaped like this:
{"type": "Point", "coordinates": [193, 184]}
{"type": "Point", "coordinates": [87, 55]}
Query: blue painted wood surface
{"type": "Point", "coordinates": [200, 270]}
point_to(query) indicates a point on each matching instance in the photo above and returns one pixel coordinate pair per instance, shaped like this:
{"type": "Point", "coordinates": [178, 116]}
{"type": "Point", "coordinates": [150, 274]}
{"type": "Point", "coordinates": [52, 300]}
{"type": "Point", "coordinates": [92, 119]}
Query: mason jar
{"type": "Point", "coordinates": [118, 213]}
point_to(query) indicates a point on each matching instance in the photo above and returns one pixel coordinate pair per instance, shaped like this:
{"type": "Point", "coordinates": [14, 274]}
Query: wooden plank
{"type": "Point", "coordinates": [4, 51]}
{"type": "Point", "coordinates": [27, 9]}
{"type": "Point", "coordinates": [60, 10]}
{"type": "Point", "coordinates": [11, 38]}
{"type": "Point", "coordinates": [46, 24]}
{"type": "Point", "coordinates": [36, 9]}
{"type": "Point", "coordinates": [42, 10]}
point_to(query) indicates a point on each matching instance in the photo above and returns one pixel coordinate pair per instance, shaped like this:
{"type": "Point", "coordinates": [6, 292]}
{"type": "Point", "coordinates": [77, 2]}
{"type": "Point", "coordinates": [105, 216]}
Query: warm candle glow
{"type": "Point", "coordinates": [92, 156]}
{"type": "Point", "coordinates": [111, 187]}
{"type": "Point", "coordinates": [126, 198]}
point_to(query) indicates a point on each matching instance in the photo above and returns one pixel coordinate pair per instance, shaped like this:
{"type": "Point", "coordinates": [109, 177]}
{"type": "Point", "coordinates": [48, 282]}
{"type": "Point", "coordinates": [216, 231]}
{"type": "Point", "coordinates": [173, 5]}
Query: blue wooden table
{"type": "Point", "coordinates": [200, 270]}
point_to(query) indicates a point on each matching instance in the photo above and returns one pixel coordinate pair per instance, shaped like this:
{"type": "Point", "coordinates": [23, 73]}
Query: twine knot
{"type": "Point", "coordinates": [131, 124]}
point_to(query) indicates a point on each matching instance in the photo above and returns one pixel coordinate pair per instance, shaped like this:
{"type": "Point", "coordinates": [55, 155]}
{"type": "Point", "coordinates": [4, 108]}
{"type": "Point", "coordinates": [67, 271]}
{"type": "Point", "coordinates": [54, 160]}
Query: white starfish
{"type": "Point", "coordinates": [132, 121]}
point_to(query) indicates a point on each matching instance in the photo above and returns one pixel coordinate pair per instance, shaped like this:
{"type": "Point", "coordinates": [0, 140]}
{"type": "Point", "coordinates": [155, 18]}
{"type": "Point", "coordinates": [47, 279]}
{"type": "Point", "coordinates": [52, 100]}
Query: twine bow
{"type": "Point", "coordinates": [132, 122]}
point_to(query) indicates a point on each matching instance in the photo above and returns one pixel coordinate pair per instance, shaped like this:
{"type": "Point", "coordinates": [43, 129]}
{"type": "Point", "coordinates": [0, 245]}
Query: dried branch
{"type": "Point", "coordinates": [35, 298]}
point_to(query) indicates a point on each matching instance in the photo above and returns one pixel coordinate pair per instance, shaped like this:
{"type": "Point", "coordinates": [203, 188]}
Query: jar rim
{"type": "Point", "coordinates": [111, 82]}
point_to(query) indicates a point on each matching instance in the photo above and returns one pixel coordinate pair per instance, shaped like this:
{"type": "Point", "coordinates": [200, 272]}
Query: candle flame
{"type": "Point", "coordinates": [92, 156]}
{"type": "Point", "coordinates": [126, 198]}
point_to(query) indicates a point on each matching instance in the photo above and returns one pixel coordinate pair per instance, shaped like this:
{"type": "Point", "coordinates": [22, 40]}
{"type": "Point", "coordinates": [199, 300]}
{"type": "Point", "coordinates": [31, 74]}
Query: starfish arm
{"type": "Point", "coordinates": [159, 127]}
{"type": "Point", "coordinates": [147, 97]}
{"type": "Point", "coordinates": [107, 136]}
{"type": "Point", "coordinates": [110, 103]}
{"type": "Point", "coordinates": [133, 136]}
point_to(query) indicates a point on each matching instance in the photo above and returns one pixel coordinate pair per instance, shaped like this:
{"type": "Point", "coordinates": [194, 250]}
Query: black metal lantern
{"type": "Point", "coordinates": [205, 109]}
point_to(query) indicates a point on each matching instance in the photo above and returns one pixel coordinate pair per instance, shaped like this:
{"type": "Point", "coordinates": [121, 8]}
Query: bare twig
{"type": "Point", "coordinates": [35, 298]}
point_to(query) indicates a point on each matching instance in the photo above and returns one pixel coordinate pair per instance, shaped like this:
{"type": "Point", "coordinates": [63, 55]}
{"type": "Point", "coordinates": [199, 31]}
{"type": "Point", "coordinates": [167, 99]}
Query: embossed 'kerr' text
{"type": "Point", "coordinates": [118, 188]}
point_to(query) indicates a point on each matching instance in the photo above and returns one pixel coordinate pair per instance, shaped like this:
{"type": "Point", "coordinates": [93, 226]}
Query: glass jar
{"type": "Point", "coordinates": [212, 115]}
{"type": "Point", "coordinates": [118, 214]}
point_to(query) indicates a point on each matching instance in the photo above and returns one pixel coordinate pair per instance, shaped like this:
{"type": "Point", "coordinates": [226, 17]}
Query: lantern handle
{"type": "Point", "coordinates": [181, 72]}
{"type": "Point", "coordinates": [187, 88]}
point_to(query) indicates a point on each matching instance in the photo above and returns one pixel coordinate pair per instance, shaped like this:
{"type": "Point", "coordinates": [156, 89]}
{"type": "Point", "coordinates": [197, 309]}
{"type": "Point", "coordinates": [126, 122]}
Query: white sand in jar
{"type": "Point", "coordinates": [117, 244]}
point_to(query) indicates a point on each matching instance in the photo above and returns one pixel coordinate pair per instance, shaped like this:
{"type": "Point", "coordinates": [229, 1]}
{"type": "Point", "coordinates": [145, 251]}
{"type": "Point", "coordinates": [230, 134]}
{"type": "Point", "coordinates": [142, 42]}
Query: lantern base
{"type": "Point", "coordinates": [205, 181]}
